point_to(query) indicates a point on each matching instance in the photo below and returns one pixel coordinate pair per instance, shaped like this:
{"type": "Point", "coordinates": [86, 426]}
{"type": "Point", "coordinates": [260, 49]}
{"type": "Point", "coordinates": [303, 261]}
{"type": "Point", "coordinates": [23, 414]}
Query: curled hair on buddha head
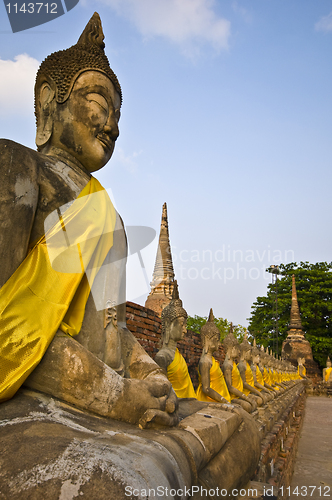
{"type": "Point", "coordinates": [60, 70]}
{"type": "Point", "coordinates": [230, 341]}
{"type": "Point", "coordinates": [254, 350]}
{"type": "Point", "coordinates": [172, 311]}
{"type": "Point", "coordinates": [209, 330]}
{"type": "Point", "coordinates": [262, 354]}
{"type": "Point", "coordinates": [245, 344]}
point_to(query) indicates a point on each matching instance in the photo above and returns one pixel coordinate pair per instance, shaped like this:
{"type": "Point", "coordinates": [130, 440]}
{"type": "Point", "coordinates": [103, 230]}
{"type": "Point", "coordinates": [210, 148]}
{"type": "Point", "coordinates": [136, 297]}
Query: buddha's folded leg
{"type": "Point", "coordinates": [70, 372]}
{"type": "Point", "coordinates": [245, 405]}
{"type": "Point", "coordinates": [259, 400]}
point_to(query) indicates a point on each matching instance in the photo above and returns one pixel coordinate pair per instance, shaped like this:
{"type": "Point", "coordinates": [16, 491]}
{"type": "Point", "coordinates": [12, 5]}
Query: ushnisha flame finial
{"type": "Point", "coordinates": [210, 329]}
{"type": "Point", "coordinates": [62, 68]}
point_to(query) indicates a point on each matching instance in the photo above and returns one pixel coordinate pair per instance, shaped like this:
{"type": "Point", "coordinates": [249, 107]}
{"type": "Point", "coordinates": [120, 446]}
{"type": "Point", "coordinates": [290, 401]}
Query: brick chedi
{"type": "Point", "coordinates": [296, 345]}
{"type": "Point", "coordinates": [163, 275]}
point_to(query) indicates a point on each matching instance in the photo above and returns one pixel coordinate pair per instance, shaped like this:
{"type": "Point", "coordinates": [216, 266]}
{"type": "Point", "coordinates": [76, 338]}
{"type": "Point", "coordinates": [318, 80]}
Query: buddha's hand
{"type": "Point", "coordinates": [147, 402]}
{"type": "Point", "coordinates": [252, 402]}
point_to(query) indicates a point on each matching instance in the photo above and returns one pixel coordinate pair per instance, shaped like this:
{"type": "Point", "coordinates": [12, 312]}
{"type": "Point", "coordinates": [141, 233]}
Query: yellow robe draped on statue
{"type": "Point", "coordinates": [50, 288]}
{"type": "Point", "coordinates": [266, 376]}
{"type": "Point", "coordinates": [273, 379]}
{"type": "Point", "coordinates": [259, 377]}
{"type": "Point", "coordinates": [217, 383]}
{"type": "Point", "coordinates": [178, 375]}
{"type": "Point", "coordinates": [236, 378]}
{"type": "Point", "coordinates": [249, 379]}
{"type": "Point", "coordinates": [327, 373]}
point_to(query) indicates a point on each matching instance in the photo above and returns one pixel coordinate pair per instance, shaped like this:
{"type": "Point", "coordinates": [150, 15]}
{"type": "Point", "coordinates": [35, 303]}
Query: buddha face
{"type": "Point", "coordinates": [235, 352]}
{"type": "Point", "coordinates": [247, 355]}
{"type": "Point", "coordinates": [211, 343]}
{"type": "Point", "coordinates": [255, 359]}
{"type": "Point", "coordinates": [178, 328]}
{"type": "Point", "coordinates": [86, 124]}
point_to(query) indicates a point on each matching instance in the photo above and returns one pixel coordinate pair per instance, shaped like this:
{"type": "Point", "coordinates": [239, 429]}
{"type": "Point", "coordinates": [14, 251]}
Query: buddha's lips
{"type": "Point", "coordinates": [106, 141]}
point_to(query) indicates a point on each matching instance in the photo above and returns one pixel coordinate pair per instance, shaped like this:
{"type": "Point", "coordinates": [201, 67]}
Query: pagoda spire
{"type": "Point", "coordinates": [296, 346]}
{"type": "Point", "coordinates": [295, 317]}
{"type": "Point", "coordinates": [163, 274]}
{"type": "Point", "coordinates": [163, 268]}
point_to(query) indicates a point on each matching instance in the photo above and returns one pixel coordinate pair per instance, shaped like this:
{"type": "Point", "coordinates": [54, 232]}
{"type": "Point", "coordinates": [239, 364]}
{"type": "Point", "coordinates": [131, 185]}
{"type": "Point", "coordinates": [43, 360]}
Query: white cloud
{"type": "Point", "coordinates": [325, 23]}
{"type": "Point", "coordinates": [128, 161]}
{"type": "Point", "coordinates": [241, 11]}
{"type": "Point", "coordinates": [184, 22]}
{"type": "Point", "coordinates": [17, 80]}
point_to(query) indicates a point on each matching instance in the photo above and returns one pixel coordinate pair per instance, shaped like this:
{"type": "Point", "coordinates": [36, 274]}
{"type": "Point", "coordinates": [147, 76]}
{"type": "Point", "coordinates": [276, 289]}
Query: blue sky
{"type": "Point", "coordinates": [226, 116]}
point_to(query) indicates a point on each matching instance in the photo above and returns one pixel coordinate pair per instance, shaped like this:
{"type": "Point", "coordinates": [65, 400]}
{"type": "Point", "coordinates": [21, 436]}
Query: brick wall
{"type": "Point", "coordinates": [279, 447]}
{"type": "Point", "coordinates": [145, 325]}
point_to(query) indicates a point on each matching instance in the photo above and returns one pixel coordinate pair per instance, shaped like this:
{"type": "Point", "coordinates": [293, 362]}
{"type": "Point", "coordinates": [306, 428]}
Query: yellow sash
{"type": "Point", "coordinates": [177, 373]}
{"type": "Point", "coordinates": [327, 373]}
{"type": "Point", "coordinates": [272, 379]}
{"type": "Point", "coordinates": [236, 378]}
{"type": "Point", "coordinates": [259, 377]}
{"type": "Point", "coordinates": [266, 376]}
{"type": "Point", "coordinates": [49, 289]}
{"type": "Point", "coordinates": [217, 383]}
{"type": "Point", "coordinates": [249, 379]}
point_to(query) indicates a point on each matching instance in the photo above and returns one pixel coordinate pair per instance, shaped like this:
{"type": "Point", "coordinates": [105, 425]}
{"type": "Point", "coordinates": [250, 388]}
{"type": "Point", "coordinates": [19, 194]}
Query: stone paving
{"type": "Point", "coordinates": [313, 466]}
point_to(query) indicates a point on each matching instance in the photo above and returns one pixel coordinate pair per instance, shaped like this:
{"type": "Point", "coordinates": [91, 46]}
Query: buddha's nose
{"type": "Point", "coordinates": [111, 127]}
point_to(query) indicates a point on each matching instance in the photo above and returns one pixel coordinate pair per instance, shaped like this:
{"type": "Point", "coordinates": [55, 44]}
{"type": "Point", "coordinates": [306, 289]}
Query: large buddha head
{"type": "Point", "coordinates": [210, 335]}
{"type": "Point", "coordinates": [246, 349]}
{"type": "Point", "coordinates": [77, 101]}
{"type": "Point", "coordinates": [231, 344]}
{"type": "Point", "coordinates": [174, 319]}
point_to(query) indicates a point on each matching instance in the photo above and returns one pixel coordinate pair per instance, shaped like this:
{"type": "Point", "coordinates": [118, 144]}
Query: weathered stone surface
{"type": "Point", "coordinates": [52, 450]}
{"type": "Point", "coordinates": [77, 127]}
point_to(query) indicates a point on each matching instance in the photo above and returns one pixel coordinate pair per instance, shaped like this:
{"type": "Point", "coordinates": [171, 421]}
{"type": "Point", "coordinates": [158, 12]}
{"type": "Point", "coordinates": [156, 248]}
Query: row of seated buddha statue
{"type": "Point", "coordinates": [255, 379]}
{"type": "Point", "coordinates": [65, 347]}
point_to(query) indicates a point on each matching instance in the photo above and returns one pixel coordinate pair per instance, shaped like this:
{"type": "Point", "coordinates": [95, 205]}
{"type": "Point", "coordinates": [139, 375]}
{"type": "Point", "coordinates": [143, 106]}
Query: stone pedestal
{"type": "Point", "coordinates": [158, 300]}
{"type": "Point", "coordinates": [51, 450]}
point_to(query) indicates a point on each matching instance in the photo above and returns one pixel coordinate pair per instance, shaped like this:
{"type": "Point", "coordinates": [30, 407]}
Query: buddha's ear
{"type": "Point", "coordinates": [205, 345]}
{"type": "Point", "coordinates": [45, 107]}
{"type": "Point", "coordinates": [166, 338]}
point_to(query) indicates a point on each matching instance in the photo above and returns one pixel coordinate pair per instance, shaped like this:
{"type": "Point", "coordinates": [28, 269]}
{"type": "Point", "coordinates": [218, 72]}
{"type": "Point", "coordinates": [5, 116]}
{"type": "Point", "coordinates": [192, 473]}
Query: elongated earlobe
{"type": "Point", "coordinates": [167, 336]}
{"type": "Point", "coordinates": [45, 108]}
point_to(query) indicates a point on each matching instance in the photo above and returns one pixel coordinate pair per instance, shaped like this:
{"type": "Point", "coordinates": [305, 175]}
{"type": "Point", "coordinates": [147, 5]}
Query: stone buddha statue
{"type": "Point", "coordinates": [174, 322]}
{"type": "Point", "coordinates": [212, 386]}
{"type": "Point", "coordinates": [246, 372]}
{"type": "Point", "coordinates": [63, 250]}
{"type": "Point", "coordinates": [274, 373]}
{"type": "Point", "coordinates": [327, 372]}
{"type": "Point", "coordinates": [232, 375]}
{"type": "Point", "coordinates": [301, 370]}
{"type": "Point", "coordinates": [258, 376]}
{"type": "Point", "coordinates": [264, 371]}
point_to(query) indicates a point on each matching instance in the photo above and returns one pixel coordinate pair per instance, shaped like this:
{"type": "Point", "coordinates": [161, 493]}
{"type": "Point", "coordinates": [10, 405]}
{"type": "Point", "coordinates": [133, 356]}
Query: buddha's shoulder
{"type": "Point", "coordinates": [17, 156]}
{"type": "Point", "coordinates": [15, 147]}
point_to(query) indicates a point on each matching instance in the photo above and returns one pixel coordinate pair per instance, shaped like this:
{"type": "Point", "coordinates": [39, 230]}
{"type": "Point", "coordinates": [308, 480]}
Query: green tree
{"type": "Point", "coordinates": [195, 323]}
{"type": "Point", "coordinates": [314, 293]}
